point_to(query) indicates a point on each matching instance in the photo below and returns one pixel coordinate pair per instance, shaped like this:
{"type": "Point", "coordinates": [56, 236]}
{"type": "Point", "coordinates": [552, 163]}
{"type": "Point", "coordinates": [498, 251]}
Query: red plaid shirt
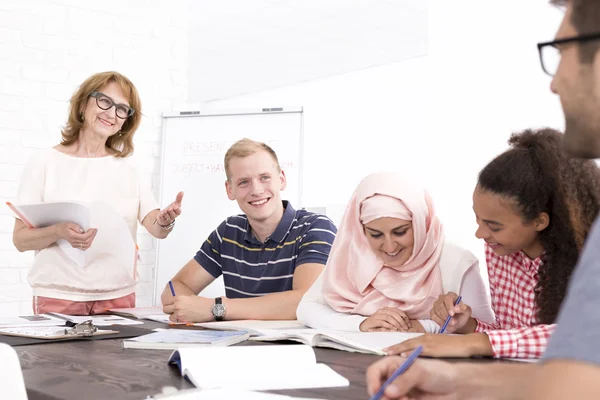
{"type": "Point", "coordinates": [515, 334]}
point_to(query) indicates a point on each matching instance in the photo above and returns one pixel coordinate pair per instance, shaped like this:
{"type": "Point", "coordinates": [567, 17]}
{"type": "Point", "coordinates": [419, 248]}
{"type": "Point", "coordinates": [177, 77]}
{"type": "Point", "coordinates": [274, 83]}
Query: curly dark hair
{"type": "Point", "coordinates": [538, 175]}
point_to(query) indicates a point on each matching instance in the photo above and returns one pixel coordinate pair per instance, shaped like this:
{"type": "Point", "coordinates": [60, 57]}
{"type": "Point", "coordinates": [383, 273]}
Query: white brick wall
{"type": "Point", "coordinates": [49, 47]}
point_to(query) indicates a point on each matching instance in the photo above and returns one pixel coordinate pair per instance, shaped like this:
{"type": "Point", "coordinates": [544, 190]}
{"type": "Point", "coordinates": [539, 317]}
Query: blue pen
{"type": "Point", "coordinates": [402, 369]}
{"type": "Point", "coordinates": [448, 319]}
{"type": "Point", "coordinates": [172, 290]}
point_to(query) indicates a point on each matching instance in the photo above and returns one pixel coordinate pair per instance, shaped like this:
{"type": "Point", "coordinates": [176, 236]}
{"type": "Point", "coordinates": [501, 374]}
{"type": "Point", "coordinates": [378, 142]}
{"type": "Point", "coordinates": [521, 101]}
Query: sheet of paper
{"type": "Point", "coordinates": [98, 320]}
{"type": "Point", "coordinates": [30, 320]}
{"type": "Point", "coordinates": [139, 312]}
{"type": "Point", "coordinates": [39, 331]}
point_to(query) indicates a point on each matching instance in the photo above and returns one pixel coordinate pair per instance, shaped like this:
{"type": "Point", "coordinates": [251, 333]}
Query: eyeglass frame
{"type": "Point", "coordinates": [113, 104]}
{"type": "Point", "coordinates": [579, 38]}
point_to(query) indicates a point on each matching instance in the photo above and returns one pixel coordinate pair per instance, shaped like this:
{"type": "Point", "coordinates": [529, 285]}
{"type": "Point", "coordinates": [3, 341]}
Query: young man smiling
{"type": "Point", "coordinates": [269, 256]}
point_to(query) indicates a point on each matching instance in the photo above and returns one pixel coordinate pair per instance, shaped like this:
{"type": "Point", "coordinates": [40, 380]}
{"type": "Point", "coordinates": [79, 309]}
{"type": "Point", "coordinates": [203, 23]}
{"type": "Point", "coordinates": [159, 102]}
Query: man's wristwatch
{"type": "Point", "coordinates": [218, 309]}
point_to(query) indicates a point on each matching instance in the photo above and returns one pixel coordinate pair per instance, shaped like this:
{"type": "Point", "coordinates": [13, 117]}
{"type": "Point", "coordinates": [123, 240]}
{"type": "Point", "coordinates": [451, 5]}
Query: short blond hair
{"type": "Point", "coordinates": [244, 148]}
{"type": "Point", "coordinates": [122, 143]}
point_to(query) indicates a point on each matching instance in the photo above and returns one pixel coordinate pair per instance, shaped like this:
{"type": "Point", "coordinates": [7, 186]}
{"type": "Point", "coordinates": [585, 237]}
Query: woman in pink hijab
{"type": "Point", "coordinates": [389, 263]}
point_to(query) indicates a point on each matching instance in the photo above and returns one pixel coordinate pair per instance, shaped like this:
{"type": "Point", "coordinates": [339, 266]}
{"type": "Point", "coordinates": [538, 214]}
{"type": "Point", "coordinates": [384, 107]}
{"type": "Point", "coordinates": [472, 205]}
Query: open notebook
{"type": "Point", "coordinates": [358, 342]}
{"type": "Point", "coordinates": [255, 368]}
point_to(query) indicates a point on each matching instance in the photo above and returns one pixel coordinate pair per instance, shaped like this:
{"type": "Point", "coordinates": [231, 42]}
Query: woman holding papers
{"type": "Point", "coordinates": [389, 263]}
{"type": "Point", "coordinates": [89, 166]}
{"type": "Point", "coordinates": [534, 207]}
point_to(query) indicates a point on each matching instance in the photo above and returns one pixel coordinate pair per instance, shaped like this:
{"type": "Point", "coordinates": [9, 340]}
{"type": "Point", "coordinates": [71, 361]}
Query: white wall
{"type": "Point", "coordinates": [46, 50]}
{"type": "Point", "coordinates": [439, 118]}
{"type": "Point", "coordinates": [354, 123]}
{"type": "Point", "coordinates": [485, 83]}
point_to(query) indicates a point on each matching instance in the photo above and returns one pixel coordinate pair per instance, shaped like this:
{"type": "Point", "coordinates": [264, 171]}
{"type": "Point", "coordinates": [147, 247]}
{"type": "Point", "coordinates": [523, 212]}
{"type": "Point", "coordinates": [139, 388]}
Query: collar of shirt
{"type": "Point", "coordinates": [282, 229]}
{"type": "Point", "coordinates": [529, 265]}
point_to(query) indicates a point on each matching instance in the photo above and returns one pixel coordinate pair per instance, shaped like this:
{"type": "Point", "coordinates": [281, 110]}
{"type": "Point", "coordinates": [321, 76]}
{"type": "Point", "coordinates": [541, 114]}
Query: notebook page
{"type": "Point", "coordinates": [284, 375]}
{"type": "Point", "coordinates": [204, 359]}
{"type": "Point", "coordinates": [369, 341]}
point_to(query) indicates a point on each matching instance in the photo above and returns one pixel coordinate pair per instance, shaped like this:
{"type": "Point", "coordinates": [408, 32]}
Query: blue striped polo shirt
{"type": "Point", "coordinates": [251, 268]}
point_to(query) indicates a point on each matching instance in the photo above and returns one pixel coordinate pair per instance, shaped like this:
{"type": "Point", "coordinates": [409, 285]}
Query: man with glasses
{"type": "Point", "coordinates": [570, 368]}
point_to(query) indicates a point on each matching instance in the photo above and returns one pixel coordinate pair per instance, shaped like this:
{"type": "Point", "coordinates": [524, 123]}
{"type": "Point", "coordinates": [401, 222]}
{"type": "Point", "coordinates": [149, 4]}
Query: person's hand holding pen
{"type": "Point", "coordinates": [447, 306]}
{"type": "Point", "coordinates": [425, 379]}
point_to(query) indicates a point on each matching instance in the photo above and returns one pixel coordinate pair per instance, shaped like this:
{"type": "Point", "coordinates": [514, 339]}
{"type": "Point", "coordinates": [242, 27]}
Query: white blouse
{"type": "Point", "coordinates": [52, 176]}
{"type": "Point", "coordinates": [460, 274]}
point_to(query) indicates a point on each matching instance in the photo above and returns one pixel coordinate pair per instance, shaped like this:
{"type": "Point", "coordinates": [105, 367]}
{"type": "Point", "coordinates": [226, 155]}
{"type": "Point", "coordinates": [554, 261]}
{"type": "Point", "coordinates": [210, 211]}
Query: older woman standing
{"type": "Point", "coordinates": [89, 165]}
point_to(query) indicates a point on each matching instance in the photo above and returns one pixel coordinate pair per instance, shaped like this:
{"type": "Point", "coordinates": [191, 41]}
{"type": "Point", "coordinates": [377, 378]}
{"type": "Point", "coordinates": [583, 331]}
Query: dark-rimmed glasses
{"type": "Point", "coordinates": [550, 54]}
{"type": "Point", "coordinates": [105, 103]}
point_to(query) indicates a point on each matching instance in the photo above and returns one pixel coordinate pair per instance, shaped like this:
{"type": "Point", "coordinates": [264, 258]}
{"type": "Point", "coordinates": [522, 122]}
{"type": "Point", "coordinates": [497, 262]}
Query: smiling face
{"type": "Point", "coordinates": [255, 183]}
{"type": "Point", "coordinates": [391, 239]}
{"type": "Point", "coordinates": [502, 226]}
{"type": "Point", "coordinates": [104, 123]}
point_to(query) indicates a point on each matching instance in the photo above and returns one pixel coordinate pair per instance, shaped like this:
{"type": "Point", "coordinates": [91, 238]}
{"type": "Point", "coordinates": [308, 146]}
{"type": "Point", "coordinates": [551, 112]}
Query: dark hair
{"type": "Point", "coordinates": [538, 176]}
{"type": "Point", "coordinates": [585, 17]}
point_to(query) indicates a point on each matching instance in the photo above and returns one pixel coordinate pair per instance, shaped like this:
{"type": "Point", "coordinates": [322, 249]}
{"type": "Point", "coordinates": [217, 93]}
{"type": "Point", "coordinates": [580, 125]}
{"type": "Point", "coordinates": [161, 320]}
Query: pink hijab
{"type": "Point", "coordinates": [356, 281]}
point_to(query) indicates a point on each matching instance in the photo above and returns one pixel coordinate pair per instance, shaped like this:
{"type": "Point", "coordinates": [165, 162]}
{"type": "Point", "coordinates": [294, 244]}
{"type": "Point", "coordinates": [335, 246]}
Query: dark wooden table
{"type": "Point", "coordinates": [102, 369]}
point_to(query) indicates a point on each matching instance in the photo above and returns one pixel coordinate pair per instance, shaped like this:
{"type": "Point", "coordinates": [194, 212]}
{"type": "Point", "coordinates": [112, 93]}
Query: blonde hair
{"type": "Point", "coordinates": [244, 148]}
{"type": "Point", "coordinates": [121, 143]}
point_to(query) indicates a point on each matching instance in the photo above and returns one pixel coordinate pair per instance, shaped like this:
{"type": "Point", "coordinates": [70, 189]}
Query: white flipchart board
{"type": "Point", "coordinates": [194, 145]}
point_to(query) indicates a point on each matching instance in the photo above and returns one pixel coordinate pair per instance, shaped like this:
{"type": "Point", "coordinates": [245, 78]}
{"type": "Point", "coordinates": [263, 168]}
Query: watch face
{"type": "Point", "coordinates": [218, 310]}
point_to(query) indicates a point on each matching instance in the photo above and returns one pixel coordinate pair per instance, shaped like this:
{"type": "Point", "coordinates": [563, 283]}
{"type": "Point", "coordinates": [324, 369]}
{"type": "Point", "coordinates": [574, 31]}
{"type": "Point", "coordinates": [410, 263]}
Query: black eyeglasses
{"type": "Point", "coordinates": [550, 54]}
{"type": "Point", "coordinates": [105, 103]}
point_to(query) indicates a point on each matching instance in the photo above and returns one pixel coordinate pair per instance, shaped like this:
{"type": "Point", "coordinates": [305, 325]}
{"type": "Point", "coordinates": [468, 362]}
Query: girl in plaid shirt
{"type": "Point", "coordinates": [534, 207]}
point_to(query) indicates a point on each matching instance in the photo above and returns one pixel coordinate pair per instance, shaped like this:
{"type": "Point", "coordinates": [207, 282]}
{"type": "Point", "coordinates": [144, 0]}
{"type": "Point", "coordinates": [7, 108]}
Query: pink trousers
{"type": "Point", "coordinates": [43, 305]}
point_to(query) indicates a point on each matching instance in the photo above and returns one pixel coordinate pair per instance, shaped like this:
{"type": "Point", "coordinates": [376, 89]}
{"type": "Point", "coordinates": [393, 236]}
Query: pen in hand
{"type": "Point", "coordinates": [172, 290]}
{"type": "Point", "coordinates": [402, 369]}
{"type": "Point", "coordinates": [448, 319]}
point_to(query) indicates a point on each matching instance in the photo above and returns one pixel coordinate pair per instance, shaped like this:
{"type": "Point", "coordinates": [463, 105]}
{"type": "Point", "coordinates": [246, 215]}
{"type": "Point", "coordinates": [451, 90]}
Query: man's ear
{"type": "Point", "coordinates": [229, 190]}
{"type": "Point", "coordinates": [283, 179]}
{"type": "Point", "coordinates": [541, 222]}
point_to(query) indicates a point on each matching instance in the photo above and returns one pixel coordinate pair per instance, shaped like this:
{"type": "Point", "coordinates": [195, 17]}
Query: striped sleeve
{"type": "Point", "coordinates": [316, 241]}
{"type": "Point", "coordinates": [209, 255]}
